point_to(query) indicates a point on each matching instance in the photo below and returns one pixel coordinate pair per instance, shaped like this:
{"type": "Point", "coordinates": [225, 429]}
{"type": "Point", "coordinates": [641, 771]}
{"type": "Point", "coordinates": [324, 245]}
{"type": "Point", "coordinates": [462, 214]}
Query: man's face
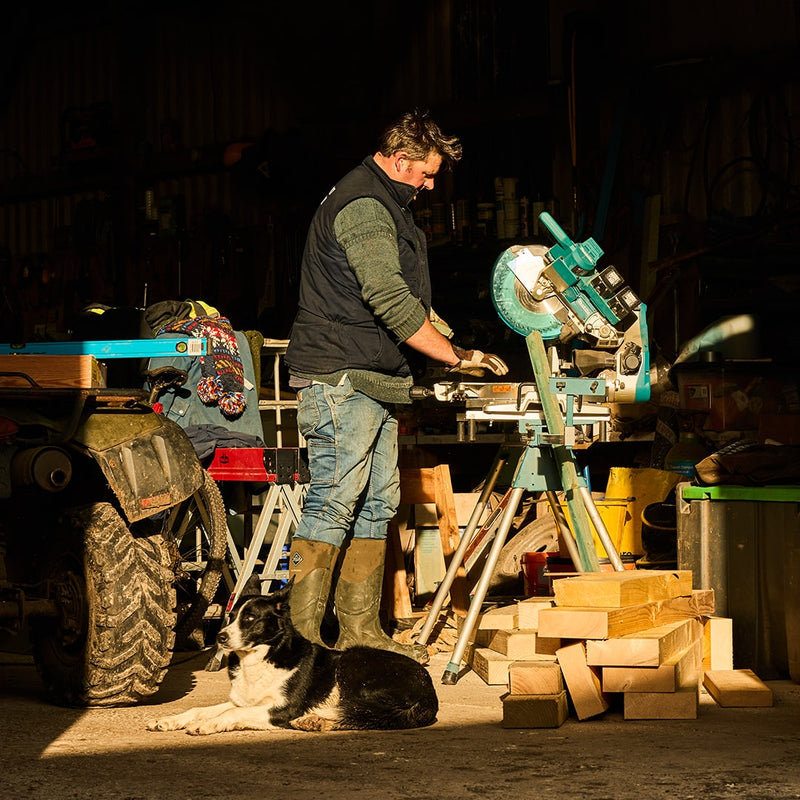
{"type": "Point", "coordinates": [419, 174]}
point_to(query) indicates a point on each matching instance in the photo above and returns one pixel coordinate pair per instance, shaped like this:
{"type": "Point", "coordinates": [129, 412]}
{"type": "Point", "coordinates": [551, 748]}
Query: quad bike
{"type": "Point", "coordinates": [112, 538]}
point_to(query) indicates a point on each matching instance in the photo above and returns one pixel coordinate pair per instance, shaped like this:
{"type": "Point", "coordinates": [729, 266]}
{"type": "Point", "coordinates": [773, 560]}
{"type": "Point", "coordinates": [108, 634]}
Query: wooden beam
{"type": "Point", "coordinates": [717, 643]}
{"type": "Point", "coordinates": [535, 711]}
{"type": "Point", "coordinates": [491, 666]}
{"type": "Point", "coordinates": [682, 670]}
{"type": "Point", "coordinates": [583, 682]}
{"type": "Point", "coordinates": [737, 688]}
{"type": "Point", "coordinates": [528, 611]}
{"type": "Point", "coordinates": [682, 704]}
{"type": "Point", "coordinates": [649, 648]}
{"type": "Point", "coordinates": [522, 644]}
{"type": "Point", "coordinates": [605, 623]}
{"type": "Point", "coordinates": [535, 677]}
{"type": "Point", "coordinates": [617, 589]}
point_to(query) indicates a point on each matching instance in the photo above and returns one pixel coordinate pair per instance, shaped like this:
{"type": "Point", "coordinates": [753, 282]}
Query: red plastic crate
{"type": "Point", "coordinates": [238, 464]}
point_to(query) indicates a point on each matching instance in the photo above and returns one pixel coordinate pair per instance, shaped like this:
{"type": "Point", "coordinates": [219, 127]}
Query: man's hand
{"type": "Point", "coordinates": [475, 363]}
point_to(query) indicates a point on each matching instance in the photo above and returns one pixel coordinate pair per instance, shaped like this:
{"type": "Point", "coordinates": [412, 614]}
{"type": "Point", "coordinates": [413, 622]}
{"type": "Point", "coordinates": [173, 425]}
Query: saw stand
{"type": "Point", "coordinates": [546, 464]}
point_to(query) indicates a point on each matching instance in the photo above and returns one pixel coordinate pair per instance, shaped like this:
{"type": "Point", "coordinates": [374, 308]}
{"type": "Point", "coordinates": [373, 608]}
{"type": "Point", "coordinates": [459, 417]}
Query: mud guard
{"type": "Point", "coordinates": [148, 460]}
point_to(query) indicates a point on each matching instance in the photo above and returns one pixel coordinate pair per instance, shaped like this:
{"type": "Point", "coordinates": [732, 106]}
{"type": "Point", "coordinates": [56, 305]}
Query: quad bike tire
{"type": "Point", "coordinates": [112, 642]}
{"type": "Point", "coordinates": [202, 518]}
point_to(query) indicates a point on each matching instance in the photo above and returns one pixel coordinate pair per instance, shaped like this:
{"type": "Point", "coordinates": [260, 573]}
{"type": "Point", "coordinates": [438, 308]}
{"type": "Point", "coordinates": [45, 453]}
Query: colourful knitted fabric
{"type": "Point", "coordinates": [223, 373]}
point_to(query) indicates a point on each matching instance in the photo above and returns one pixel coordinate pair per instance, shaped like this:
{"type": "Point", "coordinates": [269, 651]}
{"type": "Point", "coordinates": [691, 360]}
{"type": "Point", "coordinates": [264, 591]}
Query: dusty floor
{"type": "Point", "coordinates": [101, 754]}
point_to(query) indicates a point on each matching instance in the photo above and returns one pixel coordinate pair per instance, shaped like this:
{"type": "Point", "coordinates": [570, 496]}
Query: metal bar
{"type": "Point", "coordinates": [563, 455]}
{"type": "Point", "coordinates": [450, 675]}
{"type": "Point", "coordinates": [566, 531]}
{"type": "Point", "coordinates": [112, 348]}
{"type": "Point", "coordinates": [602, 531]}
{"type": "Point", "coordinates": [458, 557]}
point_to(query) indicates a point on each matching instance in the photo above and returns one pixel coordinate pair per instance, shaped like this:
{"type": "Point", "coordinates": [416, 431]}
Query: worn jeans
{"type": "Point", "coordinates": [352, 455]}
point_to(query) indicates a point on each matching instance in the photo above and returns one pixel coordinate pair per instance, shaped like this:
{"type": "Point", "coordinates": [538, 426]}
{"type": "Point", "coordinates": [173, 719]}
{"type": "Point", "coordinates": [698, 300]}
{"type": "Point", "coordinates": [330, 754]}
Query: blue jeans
{"type": "Point", "coordinates": [352, 457]}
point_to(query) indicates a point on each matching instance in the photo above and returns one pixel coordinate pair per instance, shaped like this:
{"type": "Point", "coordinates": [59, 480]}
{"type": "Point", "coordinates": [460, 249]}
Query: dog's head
{"type": "Point", "coordinates": [259, 620]}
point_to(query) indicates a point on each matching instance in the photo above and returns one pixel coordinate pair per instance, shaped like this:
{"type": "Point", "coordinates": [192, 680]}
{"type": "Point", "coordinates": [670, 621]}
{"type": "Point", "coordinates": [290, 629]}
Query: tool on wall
{"type": "Point", "coordinates": [599, 353]}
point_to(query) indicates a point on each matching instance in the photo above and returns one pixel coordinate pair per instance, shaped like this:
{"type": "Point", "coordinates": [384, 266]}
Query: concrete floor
{"type": "Point", "coordinates": [106, 754]}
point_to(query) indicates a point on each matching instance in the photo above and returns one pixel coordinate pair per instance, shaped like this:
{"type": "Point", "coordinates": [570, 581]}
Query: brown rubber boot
{"type": "Point", "coordinates": [358, 600]}
{"type": "Point", "coordinates": [311, 565]}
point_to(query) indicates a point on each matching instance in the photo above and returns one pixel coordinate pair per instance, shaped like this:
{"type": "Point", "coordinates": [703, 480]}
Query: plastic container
{"type": "Point", "coordinates": [744, 543]}
{"type": "Point", "coordinates": [684, 454]}
{"type": "Point", "coordinates": [533, 572]}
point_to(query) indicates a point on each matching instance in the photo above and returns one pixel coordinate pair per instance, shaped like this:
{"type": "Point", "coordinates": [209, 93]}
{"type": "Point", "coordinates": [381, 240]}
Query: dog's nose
{"type": "Point", "coordinates": [222, 637]}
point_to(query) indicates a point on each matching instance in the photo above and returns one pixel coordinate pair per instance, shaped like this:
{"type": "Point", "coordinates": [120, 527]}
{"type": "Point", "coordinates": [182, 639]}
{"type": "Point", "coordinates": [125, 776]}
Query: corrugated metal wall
{"type": "Point", "coordinates": [199, 87]}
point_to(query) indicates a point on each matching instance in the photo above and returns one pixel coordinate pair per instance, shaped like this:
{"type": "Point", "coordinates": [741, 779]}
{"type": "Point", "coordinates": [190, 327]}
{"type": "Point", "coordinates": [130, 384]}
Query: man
{"type": "Point", "coordinates": [364, 289]}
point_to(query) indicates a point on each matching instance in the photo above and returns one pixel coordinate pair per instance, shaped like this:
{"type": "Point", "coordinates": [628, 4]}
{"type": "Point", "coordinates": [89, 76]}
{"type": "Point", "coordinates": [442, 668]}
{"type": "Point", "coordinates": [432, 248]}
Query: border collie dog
{"type": "Point", "coordinates": [279, 679]}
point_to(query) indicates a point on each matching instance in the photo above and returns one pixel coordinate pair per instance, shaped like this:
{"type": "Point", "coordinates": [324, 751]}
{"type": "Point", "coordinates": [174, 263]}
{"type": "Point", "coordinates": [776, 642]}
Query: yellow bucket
{"type": "Point", "coordinates": [628, 492]}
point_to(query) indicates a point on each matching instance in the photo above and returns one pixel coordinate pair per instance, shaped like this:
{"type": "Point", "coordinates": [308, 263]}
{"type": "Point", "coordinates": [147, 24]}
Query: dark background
{"type": "Point", "coordinates": [666, 131]}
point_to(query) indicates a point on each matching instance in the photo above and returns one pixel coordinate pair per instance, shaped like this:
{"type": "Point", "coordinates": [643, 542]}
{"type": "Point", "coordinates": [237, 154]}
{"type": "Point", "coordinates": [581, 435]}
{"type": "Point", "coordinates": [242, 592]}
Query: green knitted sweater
{"type": "Point", "coordinates": [366, 232]}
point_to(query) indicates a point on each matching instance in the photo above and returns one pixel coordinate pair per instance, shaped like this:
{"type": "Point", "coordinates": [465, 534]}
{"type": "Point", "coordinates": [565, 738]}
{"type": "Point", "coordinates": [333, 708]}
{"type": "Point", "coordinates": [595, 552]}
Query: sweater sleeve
{"type": "Point", "coordinates": [366, 232]}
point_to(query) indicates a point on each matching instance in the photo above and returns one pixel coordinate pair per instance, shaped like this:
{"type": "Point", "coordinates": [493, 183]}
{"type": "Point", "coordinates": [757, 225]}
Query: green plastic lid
{"type": "Point", "coordinates": [769, 494]}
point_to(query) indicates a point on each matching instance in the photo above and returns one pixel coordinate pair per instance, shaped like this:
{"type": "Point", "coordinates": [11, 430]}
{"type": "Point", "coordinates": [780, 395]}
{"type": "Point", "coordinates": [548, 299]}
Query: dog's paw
{"type": "Point", "coordinates": [165, 724]}
{"type": "Point", "coordinates": [312, 722]}
{"type": "Point", "coordinates": [205, 728]}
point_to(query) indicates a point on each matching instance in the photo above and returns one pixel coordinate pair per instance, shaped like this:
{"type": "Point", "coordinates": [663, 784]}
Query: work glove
{"type": "Point", "coordinates": [475, 363]}
{"type": "Point", "coordinates": [440, 325]}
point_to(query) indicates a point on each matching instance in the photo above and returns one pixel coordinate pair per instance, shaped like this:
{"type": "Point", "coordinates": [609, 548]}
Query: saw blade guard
{"type": "Point", "coordinates": [515, 276]}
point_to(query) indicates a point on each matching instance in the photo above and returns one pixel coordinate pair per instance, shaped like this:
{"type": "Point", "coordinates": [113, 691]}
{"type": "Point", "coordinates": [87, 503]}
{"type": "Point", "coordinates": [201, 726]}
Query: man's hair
{"type": "Point", "coordinates": [417, 134]}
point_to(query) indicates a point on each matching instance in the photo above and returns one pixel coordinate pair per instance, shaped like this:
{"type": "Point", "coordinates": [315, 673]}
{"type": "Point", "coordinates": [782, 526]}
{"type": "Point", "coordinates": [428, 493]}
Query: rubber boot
{"type": "Point", "coordinates": [311, 565]}
{"type": "Point", "coordinates": [358, 600]}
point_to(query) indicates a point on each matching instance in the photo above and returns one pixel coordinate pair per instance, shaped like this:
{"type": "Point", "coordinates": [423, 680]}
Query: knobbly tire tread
{"type": "Point", "coordinates": [129, 606]}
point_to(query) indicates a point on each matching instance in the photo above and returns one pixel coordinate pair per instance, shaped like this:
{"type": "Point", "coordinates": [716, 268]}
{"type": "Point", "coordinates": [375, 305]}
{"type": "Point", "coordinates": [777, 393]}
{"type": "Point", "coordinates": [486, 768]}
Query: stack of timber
{"type": "Point", "coordinates": [643, 636]}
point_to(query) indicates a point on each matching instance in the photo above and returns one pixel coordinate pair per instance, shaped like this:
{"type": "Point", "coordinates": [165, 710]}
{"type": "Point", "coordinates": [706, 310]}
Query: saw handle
{"type": "Point", "coordinates": [559, 234]}
{"type": "Point", "coordinates": [419, 393]}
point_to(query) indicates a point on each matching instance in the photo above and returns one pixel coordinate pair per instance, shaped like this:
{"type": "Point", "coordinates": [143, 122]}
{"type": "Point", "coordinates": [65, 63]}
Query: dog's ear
{"type": "Point", "coordinates": [282, 595]}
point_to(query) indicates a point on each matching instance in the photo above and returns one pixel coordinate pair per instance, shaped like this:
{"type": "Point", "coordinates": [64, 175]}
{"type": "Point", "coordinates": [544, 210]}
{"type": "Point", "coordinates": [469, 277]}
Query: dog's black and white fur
{"type": "Point", "coordinates": [279, 679]}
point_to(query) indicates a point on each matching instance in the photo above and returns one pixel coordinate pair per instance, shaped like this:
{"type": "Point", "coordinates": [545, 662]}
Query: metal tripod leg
{"type": "Point", "coordinates": [501, 459]}
{"type": "Point", "coordinates": [566, 532]}
{"type": "Point", "coordinates": [450, 675]}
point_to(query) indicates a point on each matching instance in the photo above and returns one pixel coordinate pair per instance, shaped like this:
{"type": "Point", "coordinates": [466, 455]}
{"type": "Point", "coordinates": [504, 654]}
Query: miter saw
{"type": "Point", "coordinates": [597, 353]}
{"type": "Point", "coordinates": [594, 324]}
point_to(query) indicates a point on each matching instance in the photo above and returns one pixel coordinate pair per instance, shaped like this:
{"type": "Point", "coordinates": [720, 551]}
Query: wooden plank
{"type": "Point", "coordinates": [528, 611]}
{"type": "Point", "coordinates": [682, 704]}
{"type": "Point", "coordinates": [737, 688]}
{"type": "Point", "coordinates": [605, 623]}
{"type": "Point", "coordinates": [396, 596]}
{"type": "Point", "coordinates": [682, 670]}
{"type": "Point", "coordinates": [649, 648]}
{"type": "Point", "coordinates": [433, 485]}
{"type": "Point", "coordinates": [534, 711]}
{"type": "Point", "coordinates": [535, 677]}
{"type": "Point", "coordinates": [618, 589]}
{"type": "Point", "coordinates": [717, 643]}
{"type": "Point", "coordinates": [497, 619]}
{"type": "Point", "coordinates": [583, 682]}
{"type": "Point", "coordinates": [52, 372]}
{"type": "Point", "coordinates": [450, 535]}
{"type": "Point", "coordinates": [492, 667]}
{"type": "Point", "coordinates": [522, 644]}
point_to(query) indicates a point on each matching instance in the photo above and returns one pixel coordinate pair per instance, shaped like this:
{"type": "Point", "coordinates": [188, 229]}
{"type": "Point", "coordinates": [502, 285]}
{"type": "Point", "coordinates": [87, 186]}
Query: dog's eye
{"type": "Point", "coordinates": [248, 618]}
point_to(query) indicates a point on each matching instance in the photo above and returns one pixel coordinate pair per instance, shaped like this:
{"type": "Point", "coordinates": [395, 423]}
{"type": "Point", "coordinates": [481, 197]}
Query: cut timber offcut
{"type": "Point", "coordinates": [737, 688]}
{"type": "Point", "coordinates": [618, 589]}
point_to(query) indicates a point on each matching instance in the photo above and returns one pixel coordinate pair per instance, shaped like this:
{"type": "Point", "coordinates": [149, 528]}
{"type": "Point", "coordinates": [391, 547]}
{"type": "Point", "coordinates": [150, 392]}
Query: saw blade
{"type": "Point", "coordinates": [513, 277]}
